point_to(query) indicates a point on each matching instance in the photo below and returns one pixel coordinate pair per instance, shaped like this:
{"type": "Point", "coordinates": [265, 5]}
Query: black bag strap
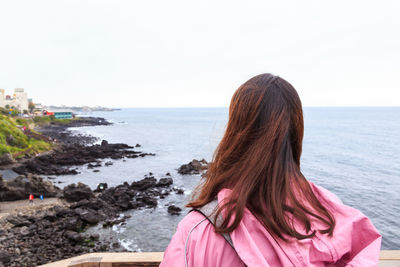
{"type": "Point", "coordinates": [209, 211]}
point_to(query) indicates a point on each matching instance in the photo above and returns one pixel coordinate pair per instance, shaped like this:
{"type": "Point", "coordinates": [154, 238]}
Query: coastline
{"type": "Point", "coordinates": [65, 215]}
{"type": "Point", "coordinates": [55, 133]}
{"type": "Point", "coordinates": [71, 150]}
{"type": "Point", "coordinates": [318, 165]}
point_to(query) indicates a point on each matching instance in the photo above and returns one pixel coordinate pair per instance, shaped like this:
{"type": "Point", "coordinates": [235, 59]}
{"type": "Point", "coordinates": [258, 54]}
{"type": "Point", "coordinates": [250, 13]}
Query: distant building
{"type": "Point", "coordinates": [60, 113]}
{"type": "Point", "coordinates": [18, 101]}
{"type": "Point", "coordinates": [38, 110]}
{"type": "Point", "coordinates": [48, 113]}
{"type": "Point", "coordinates": [2, 98]}
{"type": "Point", "coordinates": [38, 107]}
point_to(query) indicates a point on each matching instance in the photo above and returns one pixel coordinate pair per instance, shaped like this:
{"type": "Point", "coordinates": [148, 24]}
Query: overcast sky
{"type": "Point", "coordinates": [196, 53]}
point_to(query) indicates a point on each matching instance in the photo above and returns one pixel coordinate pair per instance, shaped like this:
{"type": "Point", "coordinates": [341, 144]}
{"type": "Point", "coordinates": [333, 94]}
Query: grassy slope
{"type": "Point", "coordinates": [42, 120]}
{"type": "Point", "coordinates": [14, 141]}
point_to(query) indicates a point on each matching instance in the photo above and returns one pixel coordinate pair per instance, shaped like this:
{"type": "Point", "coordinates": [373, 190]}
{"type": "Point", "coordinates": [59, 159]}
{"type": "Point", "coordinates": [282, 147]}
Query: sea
{"type": "Point", "coordinates": [352, 151]}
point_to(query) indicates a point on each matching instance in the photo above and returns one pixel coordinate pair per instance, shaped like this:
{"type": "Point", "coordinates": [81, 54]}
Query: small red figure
{"type": "Point", "coordinates": [31, 198]}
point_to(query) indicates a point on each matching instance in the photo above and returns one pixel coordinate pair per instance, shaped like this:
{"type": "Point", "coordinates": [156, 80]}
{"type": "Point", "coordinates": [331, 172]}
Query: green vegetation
{"type": "Point", "coordinates": [31, 107]}
{"type": "Point", "coordinates": [3, 111]}
{"type": "Point", "coordinates": [89, 242]}
{"type": "Point", "coordinates": [11, 111]}
{"type": "Point", "coordinates": [14, 141]}
{"type": "Point", "coordinates": [41, 120]}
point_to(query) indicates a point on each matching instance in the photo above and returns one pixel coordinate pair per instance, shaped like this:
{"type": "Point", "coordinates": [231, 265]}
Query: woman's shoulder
{"type": "Point", "coordinates": [195, 225]}
{"type": "Point", "coordinates": [192, 220]}
{"type": "Point", "coordinates": [196, 242]}
{"type": "Point", "coordinates": [354, 234]}
{"type": "Point", "coordinates": [324, 193]}
{"type": "Point", "coordinates": [341, 212]}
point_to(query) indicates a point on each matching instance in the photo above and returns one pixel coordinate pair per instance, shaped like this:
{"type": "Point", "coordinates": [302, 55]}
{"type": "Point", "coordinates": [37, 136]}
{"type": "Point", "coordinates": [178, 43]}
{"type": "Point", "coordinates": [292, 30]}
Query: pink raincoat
{"type": "Point", "coordinates": [355, 242]}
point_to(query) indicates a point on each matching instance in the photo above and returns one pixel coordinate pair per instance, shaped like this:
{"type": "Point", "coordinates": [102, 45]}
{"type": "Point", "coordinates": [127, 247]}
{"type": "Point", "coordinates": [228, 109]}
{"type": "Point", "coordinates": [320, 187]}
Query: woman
{"type": "Point", "coordinates": [268, 214]}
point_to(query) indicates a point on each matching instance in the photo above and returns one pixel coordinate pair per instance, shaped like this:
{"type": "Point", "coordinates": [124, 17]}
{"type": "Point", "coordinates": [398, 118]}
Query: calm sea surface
{"type": "Point", "coordinates": [354, 152]}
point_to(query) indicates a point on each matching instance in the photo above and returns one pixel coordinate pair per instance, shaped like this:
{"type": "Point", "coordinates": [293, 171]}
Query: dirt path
{"type": "Point", "coordinates": [23, 206]}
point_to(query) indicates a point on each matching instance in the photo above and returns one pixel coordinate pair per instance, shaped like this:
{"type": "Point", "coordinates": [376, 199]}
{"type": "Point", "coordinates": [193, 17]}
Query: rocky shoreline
{"type": "Point", "coordinates": [42, 235]}
{"type": "Point", "coordinates": [71, 150]}
{"type": "Point", "coordinates": [61, 132]}
{"type": "Point", "coordinates": [59, 232]}
{"type": "Point", "coordinates": [61, 160]}
{"type": "Point", "coordinates": [50, 233]}
{"type": "Point", "coordinates": [20, 187]}
{"type": "Point", "coordinates": [194, 167]}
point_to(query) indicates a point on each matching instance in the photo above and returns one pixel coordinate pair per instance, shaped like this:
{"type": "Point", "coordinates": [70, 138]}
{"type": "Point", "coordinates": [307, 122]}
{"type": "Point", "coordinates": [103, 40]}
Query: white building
{"type": "Point", "coordinates": [2, 98]}
{"type": "Point", "coordinates": [19, 100]}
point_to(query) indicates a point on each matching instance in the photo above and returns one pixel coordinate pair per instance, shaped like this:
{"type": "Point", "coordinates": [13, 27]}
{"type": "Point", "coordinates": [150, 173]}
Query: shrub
{"type": "Point", "coordinates": [38, 146]}
{"type": "Point", "coordinates": [3, 149]}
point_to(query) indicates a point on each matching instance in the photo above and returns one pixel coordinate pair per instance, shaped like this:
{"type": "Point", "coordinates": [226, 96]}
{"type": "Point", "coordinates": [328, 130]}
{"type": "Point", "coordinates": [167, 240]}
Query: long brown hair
{"type": "Point", "coordinates": [258, 158]}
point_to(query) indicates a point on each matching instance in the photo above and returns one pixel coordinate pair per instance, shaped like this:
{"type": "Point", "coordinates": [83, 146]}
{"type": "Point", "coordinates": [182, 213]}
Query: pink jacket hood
{"type": "Point", "coordinates": [355, 242]}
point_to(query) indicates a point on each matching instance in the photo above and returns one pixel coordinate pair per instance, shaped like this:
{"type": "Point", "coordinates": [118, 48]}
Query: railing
{"type": "Point", "coordinates": [388, 258]}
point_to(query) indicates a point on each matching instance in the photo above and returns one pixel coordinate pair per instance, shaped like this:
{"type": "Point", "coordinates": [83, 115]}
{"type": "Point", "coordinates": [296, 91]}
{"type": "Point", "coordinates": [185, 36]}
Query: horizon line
{"type": "Point", "coordinates": [398, 106]}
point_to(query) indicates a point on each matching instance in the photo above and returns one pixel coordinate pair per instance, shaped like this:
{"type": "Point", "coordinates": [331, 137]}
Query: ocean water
{"type": "Point", "coordinates": [353, 152]}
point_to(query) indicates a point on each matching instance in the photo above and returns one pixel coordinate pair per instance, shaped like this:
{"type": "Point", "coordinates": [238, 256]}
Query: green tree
{"type": "Point", "coordinates": [15, 112]}
{"type": "Point", "coordinates": [31, 107]}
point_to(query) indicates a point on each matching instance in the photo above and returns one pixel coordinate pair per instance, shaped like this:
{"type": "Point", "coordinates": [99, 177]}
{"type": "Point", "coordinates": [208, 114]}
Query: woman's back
{"type": "Point", "coordinates": [355, 242]}
{"type": "Point", "coordinates": [275, 217]}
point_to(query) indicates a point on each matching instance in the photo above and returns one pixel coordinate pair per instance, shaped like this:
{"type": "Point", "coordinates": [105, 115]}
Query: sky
{"type": "Point", "coordinates": [197, 53]}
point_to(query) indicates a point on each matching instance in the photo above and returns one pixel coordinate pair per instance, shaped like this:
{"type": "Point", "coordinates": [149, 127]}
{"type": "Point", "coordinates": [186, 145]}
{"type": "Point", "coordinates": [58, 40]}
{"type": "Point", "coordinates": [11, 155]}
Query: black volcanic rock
{"type": "Point", "coordinates": [193, 167]}
{"type": "Point", "coordinates": [165, 182]}
{"type": "Point", "coordinates": [19, 220]}
{"type": "Point", "coordinates": [174, 210]}
{"type": "Point", "coordinates": [4, 256]}
{"type": "Point", "coordinates": [144, 184]}
{"type": "Point", "coordinates": [58, 232]}
{"type": "Point", "coordinates": [6, 159]}
{"type": "Point", "coordinates": [179, 191]}
{"type": "Point", "coordinates": [74, 149]}
{"type": "Point", "coordinates": [74, 236]}
{"type": "Point", "coordinates": [21, 186]}
{"type": "Point", "coordinates": [60, 133]}
{"type": "Point", "coordinates": [61, 159]}
{"type": "Point", "coordinates": [104, 142]}
{"type": "Point", "coordinates": [88, 216]}
{"type": "Point", "coordinates": [77, 192]}
{"type": "Point", "coordinates": [91, 165]}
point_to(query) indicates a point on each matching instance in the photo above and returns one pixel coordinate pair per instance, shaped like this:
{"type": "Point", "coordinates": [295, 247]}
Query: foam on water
{"type": "Point", "coordinates": [129, 245]}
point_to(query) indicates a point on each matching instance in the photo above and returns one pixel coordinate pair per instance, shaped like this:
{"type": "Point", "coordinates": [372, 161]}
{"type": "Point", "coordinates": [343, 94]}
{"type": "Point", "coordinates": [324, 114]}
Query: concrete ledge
{"type": "Point", "coordinates": [388, 258]}
{"type": "Point", "coordinates": [112, 259]}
